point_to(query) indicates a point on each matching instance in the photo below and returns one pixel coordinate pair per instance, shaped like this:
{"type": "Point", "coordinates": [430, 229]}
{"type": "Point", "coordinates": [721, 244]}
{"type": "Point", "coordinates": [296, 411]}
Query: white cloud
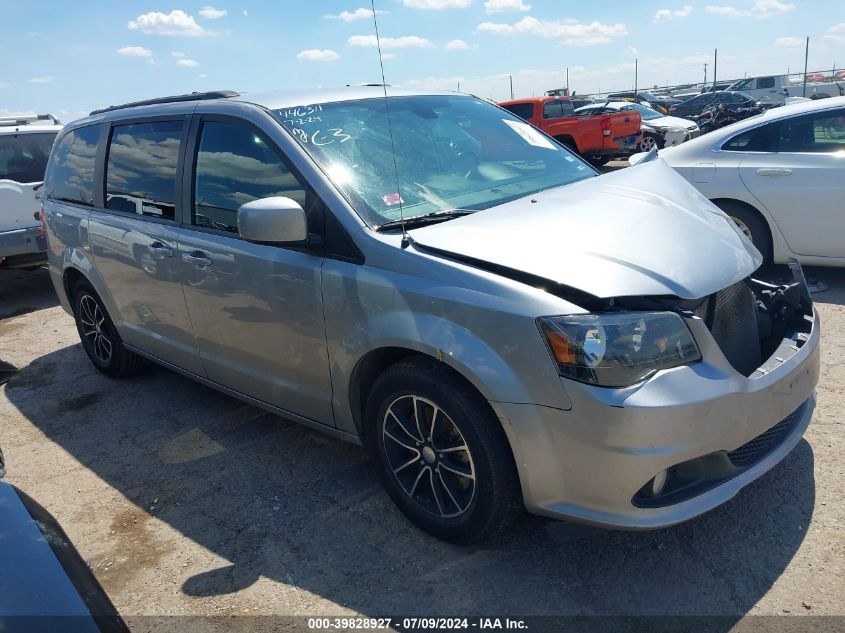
{"type": "Point", "coordinates": [668, 14]}
{"type": "Point", "coordinates": [762, 9]}
{"type": "Point", "coordinates": [134, 51]}
{"type": "Point", "coordinates": [178, 54]}
{"type": "Point", "coordinates": [631, 51]}
{"type": "Point", "coordinates": [3, 84]}
{"type": "Point", "coordinates": [42, 80]}
{"type": "Point", "coordinates": [835, 34]}
{"type": "Point", "coordinates": [202, 75]}
{"type": "Point", "coordinates": [437, 4]}
{"type": "Point", "coordinates": [187, 63]}
{"type": "Point", "coordinates": [789, 42]}
{"type": "Point", "coordinates": [388, 42]}
{"type": "Point", "coordinates": [351, 16]}
{"type": "Point", "coordinates": [177, 22]}
{"type": "Point", "coordinates": [246, 13]}
{"type": "Point", "coordinates": [317, 55]}
{"type": "Point", "coordinates": [386, 56]}
{"type": "Point", "coordinates": [457, 45]}
{"type": "Point", "coordinates": [503, 6]}
{"type": "Point", "coordinates": [570, 32]}
{"type": "Point", "coordinates": [210, 13]}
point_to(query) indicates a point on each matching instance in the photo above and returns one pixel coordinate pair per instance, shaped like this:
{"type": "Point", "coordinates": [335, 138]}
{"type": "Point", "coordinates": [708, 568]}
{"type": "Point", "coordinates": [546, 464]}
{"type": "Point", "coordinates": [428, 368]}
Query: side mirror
{"type": "Point", "coordinates": [276, 220]}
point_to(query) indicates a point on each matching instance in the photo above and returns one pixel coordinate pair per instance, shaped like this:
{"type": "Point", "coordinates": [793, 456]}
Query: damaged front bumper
{"type": "Point", "coordinates": [710, 428]}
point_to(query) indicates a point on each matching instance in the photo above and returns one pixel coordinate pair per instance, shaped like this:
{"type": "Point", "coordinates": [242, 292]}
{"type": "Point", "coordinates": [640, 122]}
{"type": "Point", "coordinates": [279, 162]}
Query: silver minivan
{"type": "Point", "coordinates": [432, 277]}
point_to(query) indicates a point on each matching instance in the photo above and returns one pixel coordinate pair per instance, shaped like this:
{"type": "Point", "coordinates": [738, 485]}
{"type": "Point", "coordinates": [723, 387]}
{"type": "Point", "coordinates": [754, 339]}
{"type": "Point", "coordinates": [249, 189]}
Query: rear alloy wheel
{"type": "Point", "coordinates": [99, 337]}
{"type": "Point", "coordinates": [441, 452]}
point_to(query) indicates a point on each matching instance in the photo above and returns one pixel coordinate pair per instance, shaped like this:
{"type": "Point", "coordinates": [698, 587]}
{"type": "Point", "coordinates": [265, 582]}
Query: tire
{"type": "Point", "coordinates": [650, 141]}
{"type": "Point", "coordinates": [752, 224]}
{"type": "Point", "coordinates": [460, 495]}
{"type": "Point", "coordinates": [99, 337]}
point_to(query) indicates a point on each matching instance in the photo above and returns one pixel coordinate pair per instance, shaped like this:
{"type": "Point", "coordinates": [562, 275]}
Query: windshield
{"type": "Point", "coordinates": [23, 157]}
{"type": "Point", "coordinates": [452, 152]}
{"type": "Point", "coordinates": [646, 113]}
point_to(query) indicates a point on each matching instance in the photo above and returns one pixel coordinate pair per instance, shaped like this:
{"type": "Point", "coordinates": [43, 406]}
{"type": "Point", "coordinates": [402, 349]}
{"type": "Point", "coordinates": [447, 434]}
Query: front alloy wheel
{"type": "Point", "coordinates": [429, 456]}
{"type": "Point", "coordinates": [648, 143]}
{"type": "Point", "coordinates": [441, 452]}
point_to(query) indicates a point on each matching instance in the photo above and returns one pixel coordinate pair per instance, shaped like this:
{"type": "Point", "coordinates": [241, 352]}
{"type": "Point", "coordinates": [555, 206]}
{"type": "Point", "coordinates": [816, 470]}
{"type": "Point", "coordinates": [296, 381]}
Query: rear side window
{"type": "Point", "coordinates": [522, 110]}
{"type": "Point", "coordinates": [766, 82]}
{"type": "Point", "coordinates": [71, 175]}
{"type": "Point", "coordinates": [141, 168]}
{"type": "Point", "coordinates": [23, 157]}
{"type": "Point", "coordinates": [234, 166]}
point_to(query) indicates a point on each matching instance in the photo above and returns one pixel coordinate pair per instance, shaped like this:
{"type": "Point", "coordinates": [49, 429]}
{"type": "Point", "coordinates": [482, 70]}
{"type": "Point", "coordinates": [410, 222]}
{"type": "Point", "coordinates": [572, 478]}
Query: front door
{"type": "Point", "coordinates": [802, 184]}
{"type": "Point", "coordinates": [256, 309]}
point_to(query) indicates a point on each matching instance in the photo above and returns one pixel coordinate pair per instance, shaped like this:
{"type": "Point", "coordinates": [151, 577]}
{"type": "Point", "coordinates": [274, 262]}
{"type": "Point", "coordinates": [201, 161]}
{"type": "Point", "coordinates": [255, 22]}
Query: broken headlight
{"type": "Point", "coordinates": [618, 349]}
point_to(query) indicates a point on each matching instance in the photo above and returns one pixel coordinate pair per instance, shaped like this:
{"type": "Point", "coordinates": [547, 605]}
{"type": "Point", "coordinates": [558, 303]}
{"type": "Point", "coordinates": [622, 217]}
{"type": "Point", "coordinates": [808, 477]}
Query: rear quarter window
{"type": "Point", "coordinates": [522, 110]}
{"type": "Point", "coordinates": [23, 157]}
{"type": "Point", "coordinates": [71, 172]}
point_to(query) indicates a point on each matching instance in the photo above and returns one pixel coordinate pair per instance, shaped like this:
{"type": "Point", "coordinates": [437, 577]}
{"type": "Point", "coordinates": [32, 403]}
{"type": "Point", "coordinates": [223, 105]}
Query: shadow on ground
{"type": "Point", "coordinates": [281, 501]}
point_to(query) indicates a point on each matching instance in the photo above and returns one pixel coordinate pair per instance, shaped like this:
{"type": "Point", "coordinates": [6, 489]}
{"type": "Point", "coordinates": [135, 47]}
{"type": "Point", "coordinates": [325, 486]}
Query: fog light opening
{"type": "Point", "coordinates": [658, 483]}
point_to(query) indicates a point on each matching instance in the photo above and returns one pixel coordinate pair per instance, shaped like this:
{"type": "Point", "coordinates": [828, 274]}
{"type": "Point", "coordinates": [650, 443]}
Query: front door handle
{"type": "Point", "coordinates": [157, 248]}
{"type": "Point", "coordinates": [774, 172]}
{"type": "Point", "coordinates": [197, 258]}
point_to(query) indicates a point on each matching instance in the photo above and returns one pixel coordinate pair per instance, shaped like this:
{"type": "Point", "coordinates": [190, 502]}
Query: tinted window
{"type": "Point", "coordinates": [818, 133]}
{"type": "Point", "coordinates": [141, 168]}
{"type": "Point", "coordinates": [71, 176]}
{"type": "Point", "coordinates": [522, 110]}
{"type": "Point", "coordinates": [766, 82]}
{"type": "Point", "coordinates": [235, 166]}
{"type": "Point", "coordinates": [23, 157]}
{"type": "Point", "coordinates": [759, 139]}
{"type": "Point", "coordinates": [552, 110]}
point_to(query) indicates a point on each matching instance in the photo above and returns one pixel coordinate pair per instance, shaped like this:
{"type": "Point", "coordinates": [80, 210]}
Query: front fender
{"type": "Point", "coordinates": [501, 354]}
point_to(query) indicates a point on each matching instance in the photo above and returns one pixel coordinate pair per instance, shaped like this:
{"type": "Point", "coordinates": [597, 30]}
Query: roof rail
{"type": "Point", "coordinates": [193, 96]}
{"type": "Point", "coordinates": [27, 119]}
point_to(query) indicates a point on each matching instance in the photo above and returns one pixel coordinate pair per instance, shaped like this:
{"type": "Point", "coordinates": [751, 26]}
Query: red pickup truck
{"type": "Point", "coordinates": [597, 137]}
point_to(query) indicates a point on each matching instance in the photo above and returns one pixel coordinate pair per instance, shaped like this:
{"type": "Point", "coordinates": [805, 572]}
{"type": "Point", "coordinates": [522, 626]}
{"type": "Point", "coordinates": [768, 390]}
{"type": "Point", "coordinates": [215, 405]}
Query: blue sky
{"type": "Point", "coordinates": [69, 58]}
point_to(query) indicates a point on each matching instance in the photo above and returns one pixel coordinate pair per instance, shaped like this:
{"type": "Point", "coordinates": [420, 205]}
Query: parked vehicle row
{"type": "Point", "coordinates": [598, 138]}
{"type": "Point", "coordinates": [25, 143]}
{"type": "Point", "coordinates": [657, 130]}
{"type": "Point", "coordinates": [776, 88]}
{"type": "Point", "coordinates": [780, 175]}
{"type": "Point", "coordinates": [504, 329]}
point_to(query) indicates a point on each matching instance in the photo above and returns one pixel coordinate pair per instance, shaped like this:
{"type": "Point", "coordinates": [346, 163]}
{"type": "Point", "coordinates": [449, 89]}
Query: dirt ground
{"type": "Point", "coordinates": [186, 501]}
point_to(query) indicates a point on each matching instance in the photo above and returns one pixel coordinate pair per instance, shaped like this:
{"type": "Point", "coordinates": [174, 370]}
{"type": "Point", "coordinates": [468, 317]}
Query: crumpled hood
{"type": "Point", "coordinates": [610, 236]}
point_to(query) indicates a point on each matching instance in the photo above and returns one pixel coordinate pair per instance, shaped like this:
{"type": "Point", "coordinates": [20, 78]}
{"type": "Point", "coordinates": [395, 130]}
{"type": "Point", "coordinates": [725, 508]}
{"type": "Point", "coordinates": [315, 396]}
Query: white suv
{"type": "Point", "coordinates": [25, 143]}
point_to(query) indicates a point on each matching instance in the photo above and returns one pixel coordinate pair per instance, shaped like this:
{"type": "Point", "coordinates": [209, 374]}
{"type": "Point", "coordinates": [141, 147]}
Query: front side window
{"type": "Point", "coordinates": [234, 166]}
{"type": "Point", "coordinates": [452, 153]}
{"type": "Point", "coordinates": [823, 132]}
{"type": "Point", "coordinates": [141, 168]}
{"type": "Point", "coordinates": [759, 139]}
{"type": "Point", "coordinates": [23, 157]}
{"type": "Point", "coordinates": [71, 174]}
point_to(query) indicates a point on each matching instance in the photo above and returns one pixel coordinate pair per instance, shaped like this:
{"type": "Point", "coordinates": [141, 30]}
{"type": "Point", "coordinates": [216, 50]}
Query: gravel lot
{"type": "Point", "coordinates": [186, 501]}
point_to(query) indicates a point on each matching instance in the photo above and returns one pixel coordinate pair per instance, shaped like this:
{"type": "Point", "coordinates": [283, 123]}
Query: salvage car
{"type": "Point", "coordinates": [431, 276]}
{"type": "Point", "coordinates": [657, 129]}
{"type": "Point", "coordinates": [780, 176]}
{"type": "Point", "coordinates": [695, 106]}
{"type": "Point", "coordinates": [25, 142]}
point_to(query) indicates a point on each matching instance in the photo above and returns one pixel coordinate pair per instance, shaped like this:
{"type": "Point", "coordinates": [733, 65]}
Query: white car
{"type": "Point", "coordinates": [25, 143]}
{"type": "Point", "coordinates": [658, 129]}
{"type": "Point", "coordinates": [780, 175]}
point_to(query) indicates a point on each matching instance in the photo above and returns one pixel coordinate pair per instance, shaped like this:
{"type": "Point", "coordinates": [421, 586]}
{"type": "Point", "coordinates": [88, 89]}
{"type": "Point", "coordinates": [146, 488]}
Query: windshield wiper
{"type": "Point", "coordinates": [423, 220]}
